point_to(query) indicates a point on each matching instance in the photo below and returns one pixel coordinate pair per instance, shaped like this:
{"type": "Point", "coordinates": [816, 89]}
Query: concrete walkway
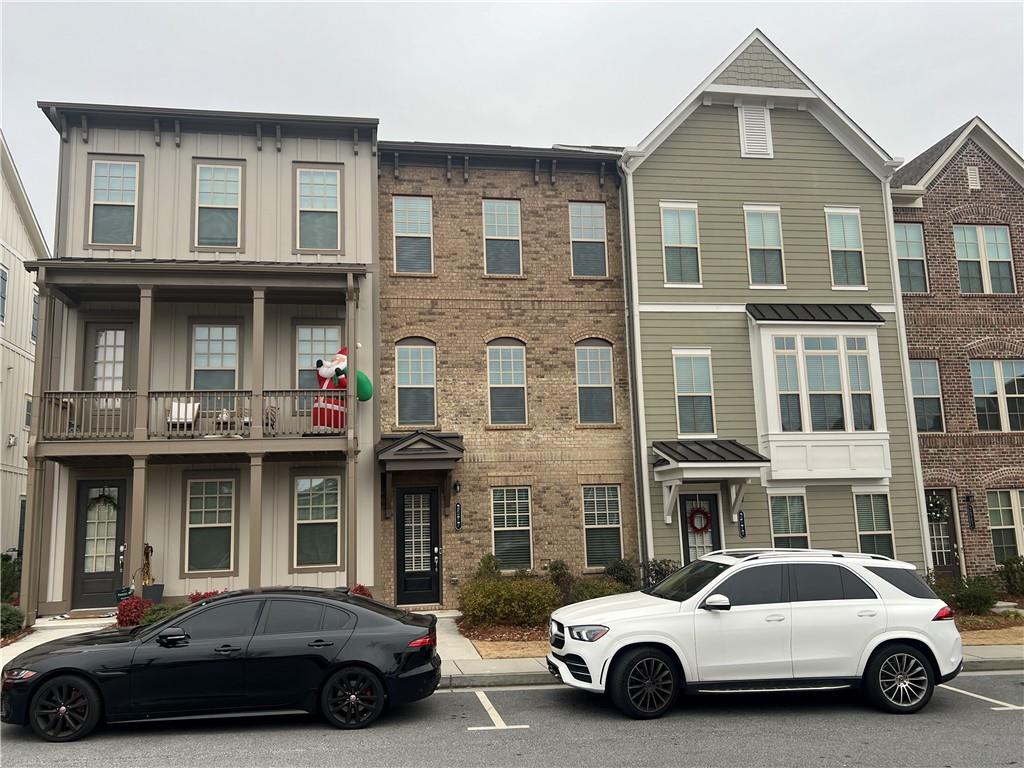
{"type": "Point", "coordinates": [49, 628]}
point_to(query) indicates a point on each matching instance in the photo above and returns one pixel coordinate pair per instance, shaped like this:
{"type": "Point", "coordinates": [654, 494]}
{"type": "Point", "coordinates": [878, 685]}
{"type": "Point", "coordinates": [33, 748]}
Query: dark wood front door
{"type": "Point", "coordinates": [698, 514]}
{"type": "Point", "coordinates": [942, 520]}
{"type": "Point", "coordinates": [99, 533]}
{"type": "Point", "coordinates": [417, 546]}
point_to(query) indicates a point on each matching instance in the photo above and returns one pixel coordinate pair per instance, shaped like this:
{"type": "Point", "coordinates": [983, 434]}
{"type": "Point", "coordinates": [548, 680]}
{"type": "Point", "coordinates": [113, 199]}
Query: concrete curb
{"type": "Point", "coordinates": [994, 665]}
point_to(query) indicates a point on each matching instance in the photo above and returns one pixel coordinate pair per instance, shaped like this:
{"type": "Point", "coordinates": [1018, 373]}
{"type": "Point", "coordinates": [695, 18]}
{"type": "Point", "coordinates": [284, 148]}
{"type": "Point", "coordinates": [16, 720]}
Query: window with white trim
{"type": "Point", "coordinates": [764, 245]}
{"type": "Point", "coordinates": [694, 390]}
{"type": "Point", "coordinates": [318, 209]}
{"type": "Point", "coordinates": [317, 521]}
{"type": "Point", "coordinates": [984, 259]}
{"type": "Point", "coordinates": [209, 538]}
{"type": "Point", "coordinates": [506, 379]}
{"type": "Point", "coordinates": [910, 254]}
{"type": "Point", "coordinates": [680, 244]}
{"type": "Point", "coordinates": [28, 411]}
{"type": "Point", "coordinates": [874, 523]}
{"type": "Point", "coordinates": [113, 210]}
{"type": "Point", "coordinates": [218, 206]}
{"type": "Point", "coordinates": [588, 239]}
{"type": "Point", "coordinates": [415, 369]}
{"type": "Point", "coordinates": [312, 343]}
{"type": "Point", "coordinates": [998, 387]}
{"type": "Point", "coordinates": [755, 131]}
{"type": "Point", "coordinates": [595, 395]}
{"type": "Point", "coordinates": [824, 383]}
{"type": "Point", "coordinates": [414, 234]}
{"type": "Point", "coordinates": [602, 525]}
{"type": "Point", "coordinates": [787, 380]}
{"type": "Point", "coordinates": [927, 391]}
{"type": "Point", "coordinates": [1004, 512]}
{"type": "Point", "coordinates": [860, 383]}
{"type": "Point", "coordinates": [214, 357]}
{"type": "Point", "coordinates": [510, 516]}
{"type": "Point", "coordinates": [846, 251]}
{"type": "Point", "coordinates": [502, 238]}
{"type": "Point", "coordinates": [789, 521]}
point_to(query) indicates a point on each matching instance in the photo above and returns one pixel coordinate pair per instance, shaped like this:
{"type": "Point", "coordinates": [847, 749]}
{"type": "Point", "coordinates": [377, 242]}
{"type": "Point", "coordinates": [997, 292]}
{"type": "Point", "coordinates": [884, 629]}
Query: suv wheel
{"type": "Point", "coordinates": [644, 683]}
{"type": "Point", "coordinates": [899, 679]}
{"type": "Point", "coordinates": [353, 697]}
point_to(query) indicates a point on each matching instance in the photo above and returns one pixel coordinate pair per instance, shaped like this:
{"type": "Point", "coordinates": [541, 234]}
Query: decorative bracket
{"type": "Point", "coordinates": [259, 137]}
{"type": "Point", "coordinates": [448, 168]}
{"type": "Point", "coordinates": [396, 165]}
{"type": "Point", "coordinates": [536, 171]}
{"type": "Point", "coordinates": [277, 137]}
{"type": "Point", "coordinates": [554, 165]}
{"type": "Point", "coordinates": [355, 141]}
{"type": "Point", "coordinates": [600, 176]}
{"type": "Point", "coordinates": [465, 168]}
{"type": "Point", "coordinates": [177, 133]}
{"type": "Point", "coordinates": [85, 129]}
{"type": "Point", "coordinates": [156, 131]}
{"type": "Point", "coordinates": [373, 142]}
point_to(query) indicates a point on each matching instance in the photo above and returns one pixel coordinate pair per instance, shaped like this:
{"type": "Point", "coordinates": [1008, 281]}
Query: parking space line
{"type": "Point", "coordinates": [499, 723]}
{"type": "Point", "coordinates": [1003, 706]}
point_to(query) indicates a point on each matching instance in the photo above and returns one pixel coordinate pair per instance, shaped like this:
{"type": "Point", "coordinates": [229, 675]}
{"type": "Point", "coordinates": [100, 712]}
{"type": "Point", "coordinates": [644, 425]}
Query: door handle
{"type": "Point", "coordinates": [866, 614]}
{"type": "Point", "coordinates": [226, 650]}
{"type": "Point", "coordinates": [775, 617]}
{"type": "Point", "coordinates": [320, 644]}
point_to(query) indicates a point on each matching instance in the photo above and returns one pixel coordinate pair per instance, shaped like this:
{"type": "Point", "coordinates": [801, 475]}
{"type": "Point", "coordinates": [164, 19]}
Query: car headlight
{"type": "Point", "coordinates": [588, 633]}
{"type": "Point", "coordinates": [17, 675]}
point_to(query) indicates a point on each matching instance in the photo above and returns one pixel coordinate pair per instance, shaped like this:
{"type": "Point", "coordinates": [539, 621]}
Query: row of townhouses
{"type": "Point", "coordinates": [748, 330]}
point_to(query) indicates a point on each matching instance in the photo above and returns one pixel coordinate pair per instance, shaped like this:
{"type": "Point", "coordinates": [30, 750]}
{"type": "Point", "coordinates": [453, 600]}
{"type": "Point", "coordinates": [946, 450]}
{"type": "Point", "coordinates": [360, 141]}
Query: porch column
{"type": "Point", "coordinates": [351, 414]}
{"type": "Point", "coordinates": [255, 518]}
{"type": "Point", "coordinates": [32, 557]}
{"type": "Point", "coordinates": [258, 322]}
{"type": "Point", "coordinates": [136, 522]}
{"type": "Point", "coordinates": [143, 364]}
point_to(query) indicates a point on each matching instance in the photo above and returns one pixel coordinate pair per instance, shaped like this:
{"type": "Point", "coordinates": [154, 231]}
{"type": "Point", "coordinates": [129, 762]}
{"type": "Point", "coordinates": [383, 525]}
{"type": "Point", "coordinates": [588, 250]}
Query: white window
{"type": "Point", "coordinates": [860, 383]}
{"type": "Point", "coordinates": [214, 357]}
{"type": "Point", "coordinates": [755, 131]}
{"type": "Point", "coordinates": [317, 521]}
{"type": "Point", "coordinates": [998, 387]}
{"type": "Point", "coordinates": [28, 411]}
{"type": "Point", "coordinates": [984, 259]}
{"type": "Point", "coordinates": [602, 524]}
{"type": "Point", "coordinates": [510, 514]}
{"type": "Point", "coordinates": [973, 178]}
{"type": "Point", "coordinates": [588, 239]}
{"type": "Point", "coordinates": [313, 343]}
{"type": "Point", "coordinates": [506, 378]}
{"type": "Point", "coordinates": [764, 246]}
{"type": "Point", "coordinates": [695, 406]}
{"type": "Point", "coordinates": [415, 366]}
{"type": "Point", "coordinates": [318, 209]}
{"type": "Point", "coordinates": [787, 380]}
{"type": "Point", "coordinates": [113, 214]}
{"type": "Point", "coordinates": [927, 390]}
{"type": "Point", "coordinates": [680, 244]}
{"type": "Point", "coordinates": [1004, 512]}
{"type": "Point", "coordinates": [502, 238]}
{"type": "Point", "coordinates": [846, 251]}
{"type": "Point", "coordinates": [210, 538]}
{"type": "Point", "coordinates": [595, 395]}
{"type": "Point", "coordinates": [789, 522]}
{"type": "Point", "coordinates": [218, 206]}
{"type": "Point", "coordinates": [824, 383]}
{"type": "Point", "coordinates": [874, 523]}
{"type": "Point", "coordinates": [910, 252]}
{"type": "Point", "coordinates": [108, 360]}
{"type": "Point", "coordinates": [414, 234]}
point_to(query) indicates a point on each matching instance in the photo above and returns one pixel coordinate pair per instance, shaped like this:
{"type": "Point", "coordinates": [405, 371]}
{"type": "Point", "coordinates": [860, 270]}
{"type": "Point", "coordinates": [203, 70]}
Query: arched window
{"type": "Point", "coordinates": [415, 379]}
{"type": "Point", "coordinates": [594, 382]}
{"type": "Point", "coordinates": [506, 379]}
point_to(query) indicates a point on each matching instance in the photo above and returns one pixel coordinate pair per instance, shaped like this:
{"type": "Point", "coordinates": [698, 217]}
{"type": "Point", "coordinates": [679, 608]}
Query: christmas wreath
{"type": "Point", "coordinates": [937, 508]}
{"type": "Point", "coordinates": [699, 514]}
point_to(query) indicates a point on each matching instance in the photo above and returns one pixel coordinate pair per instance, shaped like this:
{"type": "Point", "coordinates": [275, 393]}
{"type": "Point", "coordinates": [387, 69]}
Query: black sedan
{"type": "Point", "coordinates": [256, 651]}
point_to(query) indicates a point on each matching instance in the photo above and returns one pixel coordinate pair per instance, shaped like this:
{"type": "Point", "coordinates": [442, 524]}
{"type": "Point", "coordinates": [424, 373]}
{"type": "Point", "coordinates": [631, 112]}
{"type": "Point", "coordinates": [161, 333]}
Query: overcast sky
{"type": "Point", "coordinates": [908, 73]}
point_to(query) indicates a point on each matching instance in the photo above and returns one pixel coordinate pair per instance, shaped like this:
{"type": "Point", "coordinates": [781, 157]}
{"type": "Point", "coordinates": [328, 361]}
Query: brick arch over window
{"type": "Point", "coordinates": [585, 335]}
{"type": "Point", "coordinates": [416, 332]}
{"type": "Point", "coordinates": [500, 334]}
{"type": "Point", "coordinates": [416, 339]}
{"type": "Point", "coordinates": [978, 213]}
{"type": "Point", "coordinates": [994, 345]}
{"type": "Point", "coordinates": [942, 478]}
{"type": "Point", "coordinates": [1004, 477]}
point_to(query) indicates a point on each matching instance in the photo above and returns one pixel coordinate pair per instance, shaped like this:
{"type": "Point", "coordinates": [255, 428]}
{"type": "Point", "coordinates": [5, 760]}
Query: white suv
{"type": "Point", "coordinates": [762, 620]}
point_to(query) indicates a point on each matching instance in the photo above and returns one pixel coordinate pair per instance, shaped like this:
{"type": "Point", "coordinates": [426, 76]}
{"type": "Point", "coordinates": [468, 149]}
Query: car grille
{"type": "Point", "coordinates": [556, 630]}
{"type": "Point", "coordinates": [577, 666]}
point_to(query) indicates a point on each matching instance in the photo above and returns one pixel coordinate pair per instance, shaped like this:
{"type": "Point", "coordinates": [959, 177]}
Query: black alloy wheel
{"type": "Point", "coordinates": [353, 697]}
{"type": "Point", "coordinates": [65, 708]}
{"type": "Point", "coordinates": [645, 683]}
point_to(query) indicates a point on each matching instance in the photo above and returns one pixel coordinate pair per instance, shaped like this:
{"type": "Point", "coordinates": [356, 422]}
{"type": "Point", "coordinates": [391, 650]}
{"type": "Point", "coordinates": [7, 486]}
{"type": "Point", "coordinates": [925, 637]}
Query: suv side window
{"type": "Point", "coordinates": [759, 585]}
{"type": "Point", "coordinates": [854, 587]}
{"type": "Point", "coordinates": [228, 620]}
{"type": "Point", "coordinates": [814, 581]}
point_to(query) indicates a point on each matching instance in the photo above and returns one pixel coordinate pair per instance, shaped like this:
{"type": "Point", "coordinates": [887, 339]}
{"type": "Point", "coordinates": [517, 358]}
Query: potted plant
{"type": "Point", "coordinates": [150, 589]}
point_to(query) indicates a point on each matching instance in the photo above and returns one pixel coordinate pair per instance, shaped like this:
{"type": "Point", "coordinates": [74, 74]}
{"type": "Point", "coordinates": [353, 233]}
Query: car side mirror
{"type": "Point", "coordinates": [172, 637]}
{"type": "Point", "coordinates": [716, 603]}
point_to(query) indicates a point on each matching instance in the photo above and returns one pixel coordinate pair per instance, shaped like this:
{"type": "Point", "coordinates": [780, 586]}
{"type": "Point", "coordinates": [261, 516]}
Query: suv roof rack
{"type": "Point", "coordinates": [755, 553]}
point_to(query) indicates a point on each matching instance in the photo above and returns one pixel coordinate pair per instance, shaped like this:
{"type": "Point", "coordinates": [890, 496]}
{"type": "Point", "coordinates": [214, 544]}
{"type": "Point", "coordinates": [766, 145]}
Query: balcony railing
{"type": "Point", "coordinates": [206, 413]}
{"type": "Point", "coordinates": [303, 412]}
{"type": "Point", "coordinates": [87, 415]}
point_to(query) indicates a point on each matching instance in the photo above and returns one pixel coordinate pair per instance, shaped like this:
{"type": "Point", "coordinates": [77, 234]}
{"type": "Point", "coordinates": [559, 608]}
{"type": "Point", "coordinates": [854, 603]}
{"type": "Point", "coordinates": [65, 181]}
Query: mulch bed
{"type": "Point", "coordinates": [15, 637]}
{"type": "Point", "coordinates": [968, 623]}
{"type": "Point", "coordinates": [502, 633]}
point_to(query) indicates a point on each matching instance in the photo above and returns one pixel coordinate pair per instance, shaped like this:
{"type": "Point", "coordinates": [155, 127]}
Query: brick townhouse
{"type": "Point", "coordinates": [959, 232]}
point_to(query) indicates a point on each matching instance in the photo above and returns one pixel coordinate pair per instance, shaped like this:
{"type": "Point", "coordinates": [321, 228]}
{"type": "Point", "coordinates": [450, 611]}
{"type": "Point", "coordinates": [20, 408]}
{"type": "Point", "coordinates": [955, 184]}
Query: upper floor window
{"type": "Point", "coordinates": [846, 251]}
{"type": "Point", "coordinates": [824, 383]}
{"type": "Point", "coordinates": [506, 378]}
{"type": "Point", "coordinates": [1004, 513]}
{"type": "Point", "coordinates": [115, 197]}
{"type": "Point", "coordinates": [218, 221]}
{"type": "Point", "coordinates": [764, 245]}
{"type": "Point", "coordinates": [594, 382]}
{"type": "Point", "coordinates": [588, 236]}
{"type": "Point", "coordinates": [874, 523]}
{"type": "Point", "coordinates": [789, 522]}
{"type": "Point", "coordinates": [755, 131]}
{"type": "Point", "coordinates": [318, 209]}
{"type": "Point", "coordinates": [680, 244]}
{"type": "Point", "coordinates": [695, 409]}
{"type": "Point", "coordinates": [998, 387]}
{"type": "Point", "coordinates": [35, 316]}
{"type": "Point", "coordinates": [910, 253]}
{"type": "Point", "coordinates": [860, 383]}
{"type": "Point", "coordinates": [312, 343]}
{"type": "Point", "coordinates": [414, 234]}
{"type": "Point", "coordinates": [214, 357]}
{"type": "Point", "coordinates": [3, 295]}
{"type": "Point", "coordinates": [984, 259]}
{"type": "Point", "coordinates": [415, 366]}
{"type": "Point", "coordinates": [787, 379]}
{"type": "Point", "coordinates": [502, 238]}
{"type": "Point", "coordinates": [28, 411]}
{"type": "Point", "coordinates": [927, 390]}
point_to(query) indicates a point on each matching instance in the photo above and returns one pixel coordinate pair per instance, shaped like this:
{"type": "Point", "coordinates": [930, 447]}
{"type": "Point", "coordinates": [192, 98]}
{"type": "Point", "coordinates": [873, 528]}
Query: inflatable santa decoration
{"type": "Point", "coordinates": [332, 377]}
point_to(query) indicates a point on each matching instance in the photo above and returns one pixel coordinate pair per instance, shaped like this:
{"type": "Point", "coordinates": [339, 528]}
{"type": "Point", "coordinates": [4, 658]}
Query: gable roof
{"type": "Point", "coordinates": [759, 70]}
{"type": "Point", "coordinates": [23, 204]}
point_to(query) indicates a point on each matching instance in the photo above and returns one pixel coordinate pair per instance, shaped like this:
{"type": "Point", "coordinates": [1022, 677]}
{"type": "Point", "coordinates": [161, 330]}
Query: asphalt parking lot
{"type": "Point", "coordinates": [981, 723]}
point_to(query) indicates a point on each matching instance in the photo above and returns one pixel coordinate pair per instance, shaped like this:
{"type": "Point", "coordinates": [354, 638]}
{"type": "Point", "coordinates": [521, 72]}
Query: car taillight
{"type": "Point", "coordinates": [424, 642]}
{"type": "Point", "coordinates": [945, 614]}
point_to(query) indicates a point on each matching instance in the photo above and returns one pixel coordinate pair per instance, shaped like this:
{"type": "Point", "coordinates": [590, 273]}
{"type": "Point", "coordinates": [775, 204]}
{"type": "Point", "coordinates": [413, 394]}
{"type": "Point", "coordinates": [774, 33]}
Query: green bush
{"type": "Point", "coordinates": [517, 601]}
{"type": "Point", "coordinates": [599, 586]}
{"type": "Point", "coordinates": [653, 571]}
{"type": "Point", "coordinates": [11, 620]}
{"type": "Point", "coordinates": [10, 578]}
{"type": "Point", "coordinates": [976, 595]}
{"type": "Point", "coordinates": [625, 572]}
{"type": "Point", "coordinates": [159, 612]}
{"type": "Point", "coordinates": [489, 568]}
{"type": "Point", "coordinates": [562, 578]}
{"type": "Point", "coordinates": [1013, 575]}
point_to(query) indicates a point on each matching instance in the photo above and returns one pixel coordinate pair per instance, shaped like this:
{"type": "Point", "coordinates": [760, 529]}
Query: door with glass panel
{"type": "Point", "coordinates": [942, 532]}
{"type": "Point", "coordinates": [417, 547]}
{"type": "Point", "coordinates": [699, 519]}
{"type": "Point", "coordinates": [99, 534]}
{"type": "Point", "coordinates": [109, 368]}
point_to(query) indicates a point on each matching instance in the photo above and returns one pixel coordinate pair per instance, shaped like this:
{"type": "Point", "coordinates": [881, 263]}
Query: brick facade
{"type": "Point", "coordinates": [460, 309]}
{"type": "Point", "coordinates": [953, 328]}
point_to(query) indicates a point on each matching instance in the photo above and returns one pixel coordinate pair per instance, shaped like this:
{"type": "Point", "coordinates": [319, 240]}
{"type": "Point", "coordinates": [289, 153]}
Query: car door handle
{"type": "Point", "coordinates": [866, 614]}
{"type": "Point", "coordinates": [775, 617]}
{"type": "Point", "coordinates": [320, 643]}
{"type": "Point", "coordinates": [226, 650]}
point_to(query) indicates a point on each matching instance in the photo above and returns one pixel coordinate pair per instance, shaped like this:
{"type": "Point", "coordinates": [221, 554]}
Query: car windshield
{"type": "Point", "coordinates": [688, 580]}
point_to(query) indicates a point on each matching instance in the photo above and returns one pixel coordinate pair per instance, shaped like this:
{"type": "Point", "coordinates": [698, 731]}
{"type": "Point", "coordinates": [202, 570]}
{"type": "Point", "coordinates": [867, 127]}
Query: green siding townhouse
{"type": "Point", "coordinates": [770, 387]}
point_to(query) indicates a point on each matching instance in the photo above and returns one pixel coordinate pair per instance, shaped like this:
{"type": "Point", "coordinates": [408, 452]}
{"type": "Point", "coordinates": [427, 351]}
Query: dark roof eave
{"type": "Point", "coordinates": [179, 266]}
{"type": "Point", "coordinates": [495, 150]}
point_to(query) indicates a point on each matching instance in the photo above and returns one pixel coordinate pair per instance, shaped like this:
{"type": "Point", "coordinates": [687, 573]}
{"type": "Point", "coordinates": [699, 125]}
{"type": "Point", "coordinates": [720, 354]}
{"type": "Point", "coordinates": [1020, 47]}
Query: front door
{"type": "Point", "coordinates": [99, 533]}
{"type": "Point", "coordinates": [699, 519]}
{"type": "Point", "coordinates": [942, 532]}
{"type": "Point", "coordinates": [417, 548]}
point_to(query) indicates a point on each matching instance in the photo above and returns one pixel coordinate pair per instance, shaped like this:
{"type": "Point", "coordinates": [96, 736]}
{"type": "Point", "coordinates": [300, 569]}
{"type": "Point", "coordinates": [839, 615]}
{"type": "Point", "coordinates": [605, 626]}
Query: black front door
{"type": "Point", "coordinates": [942, 532]}
{"type": "Point", "coordinates": [99, 533]}
{"type": "Point", "coordinates": [698, 514]}
{"type": "Point", "coordinates": [417, 546]}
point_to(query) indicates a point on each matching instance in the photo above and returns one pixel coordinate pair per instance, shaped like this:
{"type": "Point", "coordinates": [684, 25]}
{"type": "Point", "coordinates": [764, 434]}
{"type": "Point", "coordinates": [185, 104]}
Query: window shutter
{"type": "Point", "coordinates": [755, 132]}
{"type": "Point", "coordinates": [973, 179]}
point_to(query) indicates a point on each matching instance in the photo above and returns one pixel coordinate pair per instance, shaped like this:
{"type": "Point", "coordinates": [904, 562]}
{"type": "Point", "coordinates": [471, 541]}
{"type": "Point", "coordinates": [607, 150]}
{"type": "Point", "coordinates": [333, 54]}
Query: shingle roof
{"type": "Point", "coordinates": [910, 173]}
{"type": "Point", "coordinates": [815, 313]}
{"type": "Point", "coordinates": [707, 451]}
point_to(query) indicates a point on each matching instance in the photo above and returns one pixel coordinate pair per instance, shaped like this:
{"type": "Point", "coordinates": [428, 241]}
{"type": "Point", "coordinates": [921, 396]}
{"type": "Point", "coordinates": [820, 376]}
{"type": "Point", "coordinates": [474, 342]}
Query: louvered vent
{"type": "Point", "coordinates": [755, 132]}
{"type": "Point", "coordinates": [973, 179]}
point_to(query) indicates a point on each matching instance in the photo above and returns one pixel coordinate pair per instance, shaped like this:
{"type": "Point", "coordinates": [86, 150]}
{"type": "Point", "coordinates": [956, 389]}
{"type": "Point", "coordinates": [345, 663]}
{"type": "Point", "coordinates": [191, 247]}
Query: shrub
{"type": "Point", "coordinates": [360, 590]}
{"type": "Point", "coordinates": [1013, 575]}
{"type": "Point", "coordinates": [523, 601]}
{"type": "Point", "coordinates": [600, 586]}
{"type": "Point", "coordinates": [653, 571]}
{"type": "Point", "coordinates": [976, 595]}
{"type": "Point", "coordinates": [198, 597]}
{"type": "Point", "coordinates": [11, 620]}
{"type": "Point", "coordinates": [489, 568]}
{"type": "Point", "coordinates": [130, 610]}
{"type": "Point", "coordinates": [159, 612]}
{"type": "Point", "coordinates": [10, 578]}
{"type": "Point", "coordinates": [623, 571]}
{"type": "Point", "coordinates": [562, 578]}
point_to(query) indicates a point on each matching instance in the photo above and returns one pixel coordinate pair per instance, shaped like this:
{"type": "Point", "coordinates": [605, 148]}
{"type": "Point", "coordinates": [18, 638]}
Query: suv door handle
{"type": "Point", "coordinates": [775, 617]}
{"type": "Point", "coordinates": [866, 614]}
{"type": "Point", "coordinates": [226, 650]}
{"type": "Point", "coordinates": [320, 643]}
